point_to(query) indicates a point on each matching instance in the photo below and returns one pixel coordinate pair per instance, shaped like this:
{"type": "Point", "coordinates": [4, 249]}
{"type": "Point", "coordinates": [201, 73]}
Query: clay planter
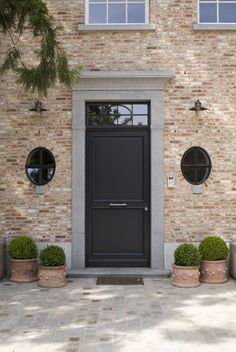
{"type": "Point", "coordinates": [214, 272]}
{"type": "Point", "coordinates": [24, 270]}
{"type": "Point", "coordinates": [185, 276]}
{"type": "Point", "coordinates": [52, 276]}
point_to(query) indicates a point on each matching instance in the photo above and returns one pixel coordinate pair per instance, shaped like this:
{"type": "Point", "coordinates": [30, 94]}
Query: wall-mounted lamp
{"type": "Point", "coordinates": [38, 107]}
{"type": "Point", "coordinates": [198, 106]}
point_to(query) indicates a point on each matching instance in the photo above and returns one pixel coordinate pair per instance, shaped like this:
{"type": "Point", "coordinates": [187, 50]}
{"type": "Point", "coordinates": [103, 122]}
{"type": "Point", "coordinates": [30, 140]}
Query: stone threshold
{"type": "Point", "coordinates": [94, 272]}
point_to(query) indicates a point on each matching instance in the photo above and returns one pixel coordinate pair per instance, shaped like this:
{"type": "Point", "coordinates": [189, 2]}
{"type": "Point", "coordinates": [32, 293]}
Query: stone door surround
{"type": "Point", "coordinates": [119, 86]}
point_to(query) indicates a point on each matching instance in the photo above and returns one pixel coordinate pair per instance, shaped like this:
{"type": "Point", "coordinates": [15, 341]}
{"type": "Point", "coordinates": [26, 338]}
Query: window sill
{"type": "Point", "coordinates": [117, 28]}
{"type": "Point", "coordinates": [214, 27]}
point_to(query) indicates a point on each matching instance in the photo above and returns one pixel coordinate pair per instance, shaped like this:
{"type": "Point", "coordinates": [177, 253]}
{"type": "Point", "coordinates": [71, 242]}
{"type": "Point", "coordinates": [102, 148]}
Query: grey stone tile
{"type": "Point", "coordinates": [86, 318]}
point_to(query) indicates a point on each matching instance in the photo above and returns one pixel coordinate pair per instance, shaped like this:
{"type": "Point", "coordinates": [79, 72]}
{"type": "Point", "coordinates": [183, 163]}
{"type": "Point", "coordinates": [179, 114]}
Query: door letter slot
{"type": "Point", "coordinates": [118, 205]}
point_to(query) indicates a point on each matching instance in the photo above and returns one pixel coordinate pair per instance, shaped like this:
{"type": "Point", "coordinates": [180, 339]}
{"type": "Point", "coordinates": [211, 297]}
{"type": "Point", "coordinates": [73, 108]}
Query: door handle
{"type": "Point", "coordinates": [118, 205]}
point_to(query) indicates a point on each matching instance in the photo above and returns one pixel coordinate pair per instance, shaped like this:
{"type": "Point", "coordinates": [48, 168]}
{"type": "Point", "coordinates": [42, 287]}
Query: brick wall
{"type": "Point", "coordinates": [204, 63]}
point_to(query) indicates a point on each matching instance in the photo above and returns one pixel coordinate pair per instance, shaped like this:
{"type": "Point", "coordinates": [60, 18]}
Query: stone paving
{"type": "Point", "coordinates": [83, 317]}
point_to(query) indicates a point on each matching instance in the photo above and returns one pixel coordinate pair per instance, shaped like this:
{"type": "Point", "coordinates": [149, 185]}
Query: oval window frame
{"type": "Point", "coordinates": [195, 165]}
{"type": "Point", "coordinates": [27, 166]}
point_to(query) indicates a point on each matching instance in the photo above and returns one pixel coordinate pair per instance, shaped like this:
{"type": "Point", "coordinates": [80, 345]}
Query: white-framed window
{"type": "Point", "coordinates": [112, 12]}
{"type": "Point", "coordinates": [217, 11]}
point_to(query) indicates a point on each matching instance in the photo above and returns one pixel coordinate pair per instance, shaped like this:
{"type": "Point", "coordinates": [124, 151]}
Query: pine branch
{"type": "Point", "coordinates": [13, 54]}
{"type": "Point", "coordinates": [53, 62]}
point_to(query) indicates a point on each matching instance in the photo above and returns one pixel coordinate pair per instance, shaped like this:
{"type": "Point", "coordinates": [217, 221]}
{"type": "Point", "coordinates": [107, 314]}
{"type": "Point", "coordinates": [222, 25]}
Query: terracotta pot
{"type": "Point", "coordinates": [24, 270]}
{"type": "Point", "coordinates": [185, 276]}
{"type": "Point", "coordinates": [54, 276]}
{"type": "Point", "coordinates": [214, 272]}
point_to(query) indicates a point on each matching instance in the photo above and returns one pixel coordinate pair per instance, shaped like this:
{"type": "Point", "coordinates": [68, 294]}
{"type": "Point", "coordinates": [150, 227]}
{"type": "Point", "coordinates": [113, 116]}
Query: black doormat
{"type": "Point", "coordinates": [119, 280]}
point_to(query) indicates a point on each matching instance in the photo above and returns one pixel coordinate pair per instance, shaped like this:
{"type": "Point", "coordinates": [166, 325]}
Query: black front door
{"type": "Point", "coordinates": [118, 197]}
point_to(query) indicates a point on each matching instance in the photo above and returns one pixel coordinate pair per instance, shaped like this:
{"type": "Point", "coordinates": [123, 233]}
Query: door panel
{"type": "Point", "coordinates": [118, 164]}
{"type": "Point", "coordinates": [117, 231]}
{"type": "Point", "coordinates": [117, 197]}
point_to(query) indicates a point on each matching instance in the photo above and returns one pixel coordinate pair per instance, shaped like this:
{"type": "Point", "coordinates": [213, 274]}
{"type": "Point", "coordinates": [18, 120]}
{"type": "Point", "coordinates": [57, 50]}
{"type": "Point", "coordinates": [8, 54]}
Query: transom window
{"type": "Point", "coordinates": [117, 114]}
{"type": "Point", "coordinates": [217, 11]}
{"type": "Point", "coordinates": [196, 165]}
{"type": "Point", "coordinates": [40, 166]}
{"type": "Point", "coordinates": [117, 11]}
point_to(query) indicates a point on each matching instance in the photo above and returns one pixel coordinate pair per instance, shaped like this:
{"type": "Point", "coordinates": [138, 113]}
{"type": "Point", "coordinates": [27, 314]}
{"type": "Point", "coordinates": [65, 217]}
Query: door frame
{"type": "Point", "coordinates": [119, 86]}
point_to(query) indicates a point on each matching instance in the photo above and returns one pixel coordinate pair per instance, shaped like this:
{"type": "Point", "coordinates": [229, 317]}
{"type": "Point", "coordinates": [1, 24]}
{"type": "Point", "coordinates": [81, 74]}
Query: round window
{"type": "Point", "coordinates": [40, 166]}
{"type": "Point", "coordinates": [196, 165]}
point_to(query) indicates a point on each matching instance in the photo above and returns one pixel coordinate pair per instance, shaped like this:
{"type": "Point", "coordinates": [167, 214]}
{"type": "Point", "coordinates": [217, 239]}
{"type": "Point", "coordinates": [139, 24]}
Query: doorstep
{"type": "Point", "coordinates": [94, 272]}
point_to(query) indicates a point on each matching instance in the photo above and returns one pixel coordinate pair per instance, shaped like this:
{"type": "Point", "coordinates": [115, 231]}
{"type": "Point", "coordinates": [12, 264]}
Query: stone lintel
{"type": "Point", "coordinates": [123, 80]}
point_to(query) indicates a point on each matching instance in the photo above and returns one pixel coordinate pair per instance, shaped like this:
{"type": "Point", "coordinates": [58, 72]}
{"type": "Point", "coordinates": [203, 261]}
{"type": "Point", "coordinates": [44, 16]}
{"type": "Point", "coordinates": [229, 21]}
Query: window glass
{"type": "Point", "coordinates": [202, 157]}
{"type": "Point", "coordinates": [47, 175]}
{"type": "Point", "coordinates": [189, 174]}
{"type": "Point", "coordinates": [196, 165]}
{"type": "Point", "coordinates": [119, 114]}
{"type": "Point", "coordinates": [47, 158]}
{"type": "Point", "coordinates": [117, 11]}
{"type": "Point", "coordinates": [140, 120]}
{"type": "Point", "coordinates": [125, 120]}
{"type": "Point", "coordinates": [202, 174]}
{"type": "Point", "coordinates": [35, 158]}
{"type": "Point", "coordinates": [227, 13]}
{"type": "Point", "coordinates": [33, 174]}
{"type": "Point", "coordinates": [208, 13]}
{"type": "Point", "coordinates": [141, 109]}
{"type": "Point", "coordinates": [217, 11]}
{"type": "Point", "coordinates": [40, 166]}
{"type": "Point", "coordinates": [97, 13]}
{"type": "Point", "coordinates": [136, 13]}
{"type": "Point", "coordinates": [188, 158]}
{"type": "Point", "coordinates": [124, 109]}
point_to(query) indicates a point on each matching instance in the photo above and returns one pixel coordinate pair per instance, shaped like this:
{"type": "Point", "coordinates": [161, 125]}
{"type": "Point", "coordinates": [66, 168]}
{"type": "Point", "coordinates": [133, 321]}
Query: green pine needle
{"type": "Point", "coordinates": [53, 62]}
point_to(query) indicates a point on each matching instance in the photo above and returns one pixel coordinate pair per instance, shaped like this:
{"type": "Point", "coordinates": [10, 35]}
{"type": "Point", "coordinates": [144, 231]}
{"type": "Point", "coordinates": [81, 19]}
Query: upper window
{"type": "Point", "coordinates": [217, 11]}
{"type": "Point", "coordinates": [40, 166]}
{"type": "Point", "coordinates": [117, 11]}
{"type": "Point", "coordinates": [196, 165]}
{"type": "Point", "coordinates": [117, 114]}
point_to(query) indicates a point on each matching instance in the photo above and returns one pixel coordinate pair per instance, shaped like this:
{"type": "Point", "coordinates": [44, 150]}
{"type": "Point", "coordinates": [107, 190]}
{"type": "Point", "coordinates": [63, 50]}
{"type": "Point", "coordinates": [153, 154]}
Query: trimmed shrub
{"type": "Point", "coordinates": [213, 248]}
{"type": "Point", "coordinates": [52, 256]}
{"type": "Point", "coordinates": [187, 255]}
{"type": "Point", "coordinates": [22, 247]}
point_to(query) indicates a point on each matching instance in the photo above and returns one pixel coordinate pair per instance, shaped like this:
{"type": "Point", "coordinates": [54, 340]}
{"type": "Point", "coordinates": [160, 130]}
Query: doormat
{"type": "Point", "coordinates": [119, 280]}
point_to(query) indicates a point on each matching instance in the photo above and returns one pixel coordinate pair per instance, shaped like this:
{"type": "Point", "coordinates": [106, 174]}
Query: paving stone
{"type": "Point", "coordinates": [121, 319]}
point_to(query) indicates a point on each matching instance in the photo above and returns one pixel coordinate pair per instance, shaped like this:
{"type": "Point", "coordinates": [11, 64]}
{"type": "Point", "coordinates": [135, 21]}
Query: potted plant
{"type": "Point", "coordinates": [24, 262]}
{"type": "Point", "coordinates": [52, 270]}
{"type": "Point", "coordinates": [186, 266]}
{"type": "Point", "coordinates": [213, 268]}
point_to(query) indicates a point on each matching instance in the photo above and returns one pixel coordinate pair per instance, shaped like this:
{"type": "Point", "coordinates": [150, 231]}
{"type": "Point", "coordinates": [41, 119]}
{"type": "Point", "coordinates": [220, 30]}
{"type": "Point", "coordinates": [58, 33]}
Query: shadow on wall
{"type": "Point", "coordinates": [3, 258]}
